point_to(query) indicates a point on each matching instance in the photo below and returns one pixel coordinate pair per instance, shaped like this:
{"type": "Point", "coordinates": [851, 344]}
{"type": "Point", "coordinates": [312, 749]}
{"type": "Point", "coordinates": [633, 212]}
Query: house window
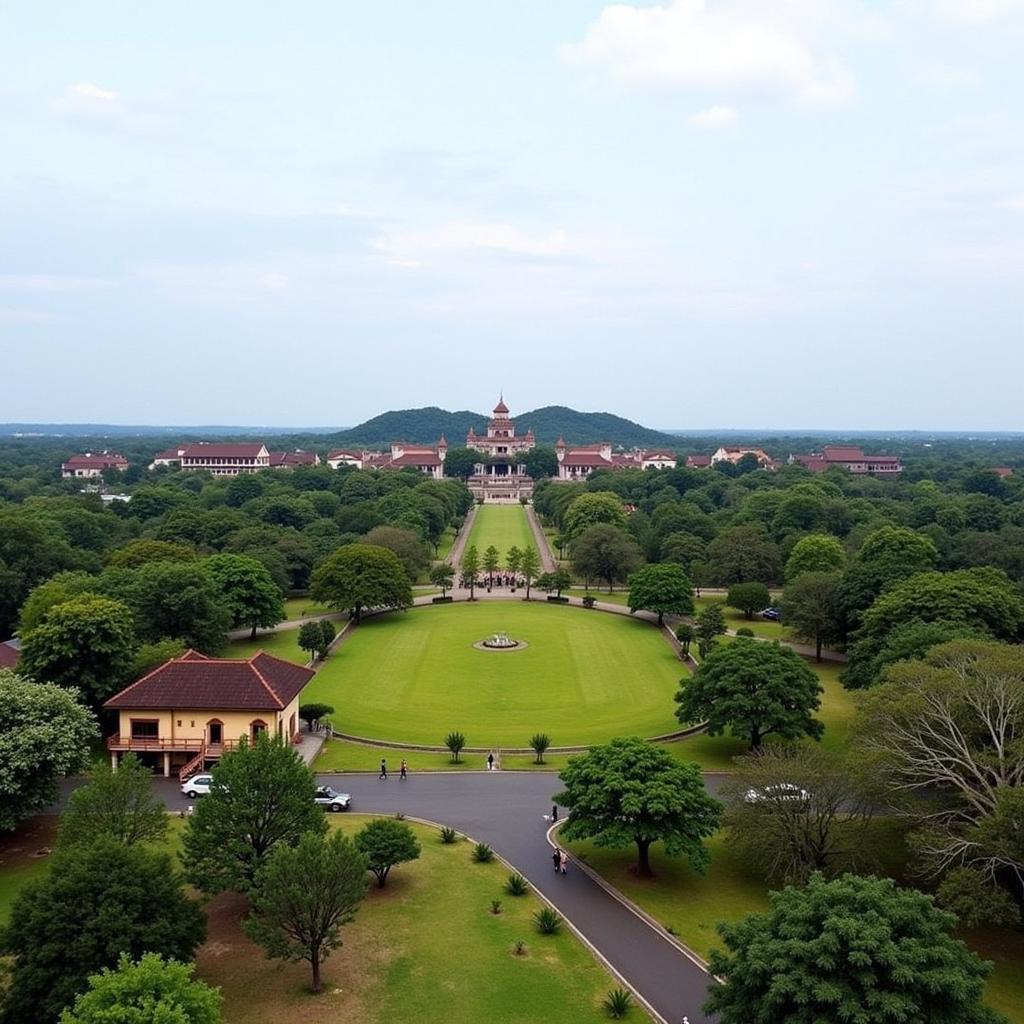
{"type": "Point", "coordinates": [145, 729]}
{"type": "Point", "coordinates": [257, 728]}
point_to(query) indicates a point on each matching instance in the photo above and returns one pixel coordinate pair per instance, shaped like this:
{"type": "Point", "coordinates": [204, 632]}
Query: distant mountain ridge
{"type": "Point", "coordinates": [426, 425]}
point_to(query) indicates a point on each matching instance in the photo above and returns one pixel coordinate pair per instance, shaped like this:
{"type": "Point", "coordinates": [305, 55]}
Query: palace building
{"type": "Point", "coordinates": [578, 463]}
{"type": "Point", "coordinates": [500, 477]}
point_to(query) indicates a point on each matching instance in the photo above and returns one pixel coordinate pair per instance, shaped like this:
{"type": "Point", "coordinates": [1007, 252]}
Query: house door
{"type": "Point", "coordinates": [214, 733]}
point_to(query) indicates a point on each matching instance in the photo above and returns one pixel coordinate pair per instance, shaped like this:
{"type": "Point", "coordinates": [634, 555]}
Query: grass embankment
{"type": "Point", "coordinates": [584, 678]}
{"type": "Point", "coordinates": [504, 526]}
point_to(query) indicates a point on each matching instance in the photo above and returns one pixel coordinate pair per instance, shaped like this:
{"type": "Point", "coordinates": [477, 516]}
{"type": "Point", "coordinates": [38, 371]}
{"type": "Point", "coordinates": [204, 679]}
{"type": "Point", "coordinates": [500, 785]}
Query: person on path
{"type": "Point", "coordinates": [490, 762]}
{"type": "Point", "coordinates": [556, 859]}
{"type": "Point", "coordinates": [564, 859]}
{"type": "Point", "coordinates": [554, 812]}
{"type": "Point", "coordinates": [403, 772]}
{"type": "Point", "coordinates": [383, 769]}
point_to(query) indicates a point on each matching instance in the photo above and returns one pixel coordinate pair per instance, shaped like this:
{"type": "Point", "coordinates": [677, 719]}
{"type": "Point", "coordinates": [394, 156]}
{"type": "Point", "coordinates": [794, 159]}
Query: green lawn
{"type": "Point", "coordinates": [737, 620]}
{"type": "Point", "coordinates": [282, 645]}
{"type": "Point", "coordinates": [601, 594]}
{"type": "Point", "coordinates": [301, 607]}
{"type": "Point", "coordinates": [504, 526]}
{"type": "Point", "coordinates": [444, 545]}
{"type": "Point", "coordinates": [585, 677]}
{"type": "Point", "coordinates": [343, 756]}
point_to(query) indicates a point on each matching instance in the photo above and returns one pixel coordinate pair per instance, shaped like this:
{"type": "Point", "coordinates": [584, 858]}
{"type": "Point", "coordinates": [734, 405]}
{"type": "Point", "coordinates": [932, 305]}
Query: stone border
{"type": "Point", "coordinates": [481, 645]}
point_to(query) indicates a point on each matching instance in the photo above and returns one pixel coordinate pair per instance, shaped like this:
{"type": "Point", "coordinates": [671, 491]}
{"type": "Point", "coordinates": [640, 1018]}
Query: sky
{"type": "Point", "coordinates": [697, 213]}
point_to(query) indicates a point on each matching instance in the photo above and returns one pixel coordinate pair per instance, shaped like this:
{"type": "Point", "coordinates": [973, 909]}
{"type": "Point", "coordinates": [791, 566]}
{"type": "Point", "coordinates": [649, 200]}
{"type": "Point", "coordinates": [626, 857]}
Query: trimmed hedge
{"type": "Point", "coordinates": [559, 600]}
{"type": "Point", "coordinates": [441, 600]}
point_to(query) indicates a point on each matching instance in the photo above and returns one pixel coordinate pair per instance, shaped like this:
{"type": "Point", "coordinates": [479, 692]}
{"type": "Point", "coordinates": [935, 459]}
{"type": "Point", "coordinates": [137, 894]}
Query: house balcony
{"type": "Point", "coordinates": [153, 744]}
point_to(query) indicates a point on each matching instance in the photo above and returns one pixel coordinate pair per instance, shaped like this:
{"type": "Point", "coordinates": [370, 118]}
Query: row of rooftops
{"type": "Point", "coordinates": [848, 457]}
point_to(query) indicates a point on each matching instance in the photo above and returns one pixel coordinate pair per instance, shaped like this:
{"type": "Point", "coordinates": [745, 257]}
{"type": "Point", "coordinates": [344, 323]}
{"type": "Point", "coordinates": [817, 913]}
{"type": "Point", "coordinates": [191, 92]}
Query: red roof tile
{"type": "Point", "coordinates": [221, 451]}
{"type": "Point", "coordinates": [262, 682]}
{"type": "Point", "coordinates": [96, 460]}
{"type": "Point", "coordinates": [10, 654]}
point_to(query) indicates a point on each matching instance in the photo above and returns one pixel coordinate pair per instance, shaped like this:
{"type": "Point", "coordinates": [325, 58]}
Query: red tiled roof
{"type": "Point", "coordinates": [501, 408]}
{"type": "Point", "coordinates": [103, 460]}
{"type": "Point", "coordinates": [222, 451]}
{"type": "Point", "coordinates": [581, 457]}
{"type": "Point", "coordinates": [295, 458]}
{"type": "Point", "coordinates": [417, 457]}
{"type": "Point", "coordinates": [168, 453]}
{"type": "Point", "coordinates": [698, 461]}
{"type": "Point", "coordinates": [259, 683]}
{"type": "Point", "coordinates": [1002, 471]}
{"type": "Point", "coordinates": [842, 453]}
{"type": "Point", "coordinates": [10, 654]}
{"type": "Point", "coordinates": [342, 453]}
{"type": "Point", "coordinates": [660, 455]}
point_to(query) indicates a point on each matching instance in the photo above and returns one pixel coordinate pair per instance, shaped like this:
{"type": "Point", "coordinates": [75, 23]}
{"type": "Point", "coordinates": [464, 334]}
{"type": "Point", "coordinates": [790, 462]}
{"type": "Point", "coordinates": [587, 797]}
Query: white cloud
{"type": "Point", "coordinates": [977, 12]}
{"type": "Point", "coordinates": [85, 99]}
{"type": "Point", "coordinates": [714, 118]}
{"type": "Point", "coordinates": [91, 105]}
{"type": "Point", "coordinates": [771, 46]}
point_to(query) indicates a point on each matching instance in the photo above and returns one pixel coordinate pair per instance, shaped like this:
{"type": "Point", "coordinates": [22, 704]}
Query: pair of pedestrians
{"type": "Point", "coordinates": [403, 772]}
{"type": "Point", "coordinates": [561, 861]}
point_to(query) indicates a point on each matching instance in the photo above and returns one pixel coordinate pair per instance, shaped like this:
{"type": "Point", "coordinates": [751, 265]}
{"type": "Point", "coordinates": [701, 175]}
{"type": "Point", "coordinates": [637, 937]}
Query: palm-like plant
{"type": "Point", "coordinates": [455, 742]}
{"type": "Point", "coordinates": [539, 743]}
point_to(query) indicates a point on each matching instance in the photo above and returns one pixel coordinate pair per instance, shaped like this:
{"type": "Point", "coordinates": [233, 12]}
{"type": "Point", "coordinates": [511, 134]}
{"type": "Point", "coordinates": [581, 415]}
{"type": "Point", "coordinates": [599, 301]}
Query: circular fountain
{"type": "Point", "coordinates": [500, 642]}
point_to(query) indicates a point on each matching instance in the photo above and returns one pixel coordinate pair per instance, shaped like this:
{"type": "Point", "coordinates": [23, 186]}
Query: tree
{"type": "Point", "coordinates": [685, 549]}
{"type": "Point", "coordinates": [442, 576]}
{"type": "Point", "coordinates": [661, 588]}
{"type": "Point", "coordinates": [850, 951]}
{"type": "Point", "coordinates": [685, 634]}
{"type": "Point", "coordinates": [65, 586]}
{"type": "Point", "coordinates": [407, 546]}
{"type": "Point", "coordinates": [556, 581]}
{"type": "Point", "coordinates": [630, 791]}
{"type": "Point", "coordinates": [529, 566]}
{"type": "Point", "coordinates": [940, 728]}
{"type": "Point", "coordinates": [385, 842]}
{"type": "Point", "coordinates": [150, 656]}
{"type": "Point", "coordinates": [119, 805]}
{"type": "Point", "coordinates": [96, 903]}
{"type": "Point", "coordinates": [540, 462]}
{"type": "Point", "coordinates": [327, 635]}
{"type": "Point", "coordinates": [44, 735]}
{"type": "Point", "coordinates": [591, 509]}
{"type": "Point", "coordinates": [262, 797]}
{"type": "Point", "coordinates": [359, 576]}
{"type": "Point", "coordinates": [302, 897]}
{"type": "Point", "coordinates": [141, 552]}
{"type": "Point", "coordinates": [540, 742]}
{"type": "Point", "coordinates": [455, 742]}
{"type": "Point", "coordinates": [469, 568]}
{"type": "Point", "coordinates": [513, 559]}
{"type": "Point", "coordinates": [710, 626]}
{"type": "Point", "coordinates": [796, 809]}
{"type": "Point", "coordinates": [247, 590]}
{"type": "Point", "coordinates": [145, 992]}
{"type": "Point", "coordinates": [605, 553]}
{"type": "Point", "coordinates": [753, 687]}
{"type": "Point", "coordinates": [809, 605]}
{"type": "Point", "coordinates": [743, 553]}
{"type": "Point", "coordinates": [460, 462]}
{"type": "Point", "coordinates": [313, 713]}
{"type": "Point", "coordinates": [490, 564]}
{"type": "Point", "coordinates": [748, 598]}
{"type": "Point", "coordinates": [817, 552]}
{"type": "Point", "coordinates": [314, 639]}
{"type": "Point", "coordinates": [84, 643]}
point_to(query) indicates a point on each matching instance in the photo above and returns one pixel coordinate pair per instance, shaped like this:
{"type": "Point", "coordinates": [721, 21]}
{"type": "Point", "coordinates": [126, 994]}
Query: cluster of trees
{"type": "Point", "coordinates": [519, 563]}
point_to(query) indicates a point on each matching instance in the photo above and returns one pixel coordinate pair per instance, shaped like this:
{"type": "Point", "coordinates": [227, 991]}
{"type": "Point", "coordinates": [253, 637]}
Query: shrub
{"type": "Point", "coordinates": [548, 921]}
{"type": "Point", "coordinates": [447, 599]}
{"type": "Point", "coordinates": [589, 602]}
{"type": "Point", "coordinates": [558, 599]}
{"type": "Point", "coordinates": [455, 742]}
{"type": "Point", "coordinates": [618, 1002]}
{"type": "Point", "coordinates": [519, 948]}
{"type": "Point", "coordinates": [312, 713]}
{"type": "Point", "coordinates": [516, 885]}
{"type": "Point", "coordinates": [540, 742]}
{"type": "Point", "coordinates": [744, 631]}
{"type": "Point", "coordinates": [448, 836]}
{"type": "Point", "coordinates": [482, 853]}
{"type": "Point", "coordinates": [495, 907]}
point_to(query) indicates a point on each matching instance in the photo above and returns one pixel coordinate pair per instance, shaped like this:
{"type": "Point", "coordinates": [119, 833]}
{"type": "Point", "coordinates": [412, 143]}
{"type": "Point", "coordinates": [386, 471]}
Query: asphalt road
{"type": "Point", "coordinates": [507, 810]}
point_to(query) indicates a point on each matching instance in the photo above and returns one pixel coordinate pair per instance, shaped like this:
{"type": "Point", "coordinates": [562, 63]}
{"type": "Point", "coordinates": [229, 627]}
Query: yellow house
{"type": "Point", "coordinates": [193, 708]}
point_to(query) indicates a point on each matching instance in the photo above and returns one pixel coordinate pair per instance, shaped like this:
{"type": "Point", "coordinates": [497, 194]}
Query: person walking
{"type": "Point", "coordinates": [556, 859]}
{"type": "Point", "coordinates": [564, 862]}
{"type": "Point", "coordinates": [403, 772]}
{"type": "Point", "coordinates": [383, 769]}
{"type": "Point", "coordinates": [554, 812]}
{"type": "Point", "coordinates": [490, 761]}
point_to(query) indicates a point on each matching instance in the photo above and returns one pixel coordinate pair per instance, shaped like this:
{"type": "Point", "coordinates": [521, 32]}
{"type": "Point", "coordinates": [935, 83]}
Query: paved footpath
{"type": "Point", "coordinates": [506, 810]}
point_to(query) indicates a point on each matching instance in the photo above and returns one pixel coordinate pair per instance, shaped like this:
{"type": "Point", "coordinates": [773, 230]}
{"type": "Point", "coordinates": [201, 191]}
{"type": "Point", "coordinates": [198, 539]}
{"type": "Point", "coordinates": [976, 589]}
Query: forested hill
{"type": "Point", "coordinates": [426, 425]}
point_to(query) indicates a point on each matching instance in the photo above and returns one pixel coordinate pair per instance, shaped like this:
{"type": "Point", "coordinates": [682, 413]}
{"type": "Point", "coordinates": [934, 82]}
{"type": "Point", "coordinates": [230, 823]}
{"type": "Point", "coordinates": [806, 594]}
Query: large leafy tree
{"type": "Point", "coordinates": [710, 626]}
{"type": "Point", "coordinates": [361, 576]}
{"type": "Point", "coordinates": [664, 589]}
{"type": "Point", "coordinates": [540, 462]}
{"type": "Point", "coordinates": [755, 688]}
{"type": "Point", "coordinates": [470, 567]}
{"type": "Point", "coordinates": [817, 552]}
{"type": "Point", "coordinates": [44, 735]}
{"type": "Point", "coordinates": [741, 554]}
{"type": "Point", "coordinates": [983, 599]}
{"type": "Point", "coordinates": [150, 991]}
{"type": "Point", "coordinates": [119, 805]}
{"type": "Point", "coordinates": [459, 462]}
{"type": "Point", "coordinates": [605, 553]}
{"type": "Point", "coordinates": [145, 550]}
{"type": "Point", "coordinates": [406, 544]}
{"type": "Point", "coordinates": [98, 902]}
{"type": "Point", "coordinates": [748, 598]}
{"type": "Point", "coordinates": [849, 951]}
{"type": "Point", "coordinates": [948, 728]}
{"type": "Point", "coordinates": [386, 842]}
{"type": "Point", "coordinates": [632, 792]}
{"type": "Point", "coordinates": [302, 897]}
{"type": "Point", "coordinates": [247, 589]}
{"type": "Point", "coordinates": [262, 797]}
{"type": "Point", "coordinates": [86, 642]}
{"type": "Point", "coordinates": [593, 508]}
{"type": "Point", "coordinates": [809, 605]}
{"type": "Point", "coordinates": [555, 582]}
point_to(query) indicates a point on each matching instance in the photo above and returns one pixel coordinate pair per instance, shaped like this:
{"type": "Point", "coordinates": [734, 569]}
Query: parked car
{"type": "Point", "coordinates": [773, 614]}
{"type": "Point", "coordinates": [198, 785]}
{"type": "Point", "coordinates": [780, 791]}
{"type": "Point", "coordinates": [332, 800]}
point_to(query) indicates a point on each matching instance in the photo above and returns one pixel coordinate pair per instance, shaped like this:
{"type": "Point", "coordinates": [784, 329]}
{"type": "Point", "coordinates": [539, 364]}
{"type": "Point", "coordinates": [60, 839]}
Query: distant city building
{"type": "Point", "coordinates": [1002, 471]}
{"type": "Point", "coordinates": [850, 458]}
{"type": "Point", "coordinates": [579, 462]}
{"type": "Point", "coordinates": [698, 461]}
{"type": "Point", "coordinates": [428, 460]}
{"type": "Point", "coordinates": [734, 453]}
{"type": "Point", "coordinates": [93, 464]}
{"type": "Point", "coordinates": [288, 460]}
{"type": "Point", "coordinates": [501, 477]}
{"type": "Point", "coordinates": [218, 459]}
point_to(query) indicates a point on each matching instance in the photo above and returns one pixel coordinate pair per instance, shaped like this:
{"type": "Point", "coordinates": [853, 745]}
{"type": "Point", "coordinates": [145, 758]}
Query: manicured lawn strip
{"type": "Point", "coordinates": [284, 644]}
{"type": "Point", "coordinates": [504, 526]}
{"type": "Point", "coordinates": [585, 677]}
{"type": "Point", "coordinates": [737, 620]}
{"type": "Point", "coordinates": [301, 607]}
{"type": "Point", "coordinates": [600, 595]}
{"type": "Point", "coordinates": [423, 945]}
{"type": "Point", "coordinates": [344, 756]}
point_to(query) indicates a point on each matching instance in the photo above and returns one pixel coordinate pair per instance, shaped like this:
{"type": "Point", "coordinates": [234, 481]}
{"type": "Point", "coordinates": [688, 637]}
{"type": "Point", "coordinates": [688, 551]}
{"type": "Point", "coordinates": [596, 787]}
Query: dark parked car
{"type": "Point", "coordinates": [771, 613]}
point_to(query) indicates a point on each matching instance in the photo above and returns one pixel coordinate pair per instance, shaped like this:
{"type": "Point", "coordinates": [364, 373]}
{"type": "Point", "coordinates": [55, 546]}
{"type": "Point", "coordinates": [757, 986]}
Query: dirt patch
{"type": "Point", "coordinates": [33, 840]}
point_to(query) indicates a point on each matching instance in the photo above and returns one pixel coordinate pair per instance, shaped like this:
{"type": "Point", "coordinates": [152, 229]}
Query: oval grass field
{"type": "Point", "coordinates": [586, 676]}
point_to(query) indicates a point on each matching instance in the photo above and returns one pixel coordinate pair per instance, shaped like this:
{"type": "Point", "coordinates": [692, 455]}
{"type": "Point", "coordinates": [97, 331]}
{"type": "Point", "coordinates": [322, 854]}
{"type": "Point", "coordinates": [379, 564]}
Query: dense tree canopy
{"type": "Point", "coordinates": [247, 590]}
{"type": "Point", "coordinates": [664, 589]}
{"type": "Point", "coordinates": [362, 576]}
{"type": "Point", "coordinates": [592, 509]}
{"type": "Point", "coordinates": [817, 552]}
{"type": "Point", "coordinates": [605, 553]}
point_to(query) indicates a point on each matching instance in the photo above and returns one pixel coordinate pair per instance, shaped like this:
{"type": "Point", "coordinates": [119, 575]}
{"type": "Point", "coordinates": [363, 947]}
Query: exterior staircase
{"type": "Point", "coordinates": [189, 768]}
